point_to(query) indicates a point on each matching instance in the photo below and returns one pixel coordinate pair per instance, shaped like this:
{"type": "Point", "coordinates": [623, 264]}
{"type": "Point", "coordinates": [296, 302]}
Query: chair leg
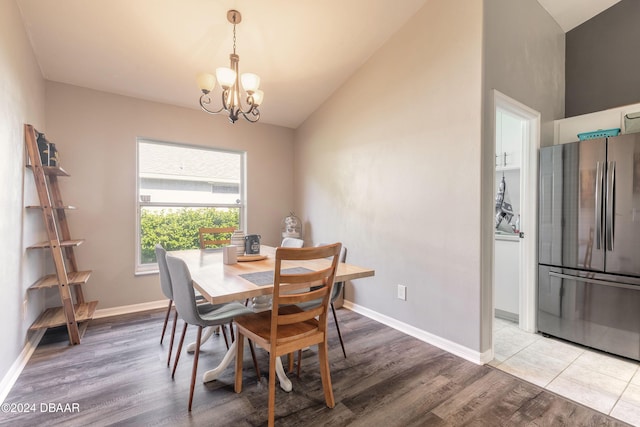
{"type": "Point", "coordinates": [224, 334]}
{"type": "Point", "coordinates": [239, 352]}
{"type": "Point", "coordinates": [195, 366]}
{"type": "Point", "coordinates": [255, 360]}
{"type": "Point", "coordinates": [231, 331]}
{"type": "Point", "coordinates": [290, 358]}
{"type": "Point", "coordinates": [272, 389]}
{"type": "Point", "coordinates": [335, 319]}
{"type": "Point", "coordinates": [175, 362]}
{"type": "Point", "coordinates": [166, 319]}
{"type": "Point", "coordinates": [173, 335]}
{"type": "Point", "coordinates": [325, 374]}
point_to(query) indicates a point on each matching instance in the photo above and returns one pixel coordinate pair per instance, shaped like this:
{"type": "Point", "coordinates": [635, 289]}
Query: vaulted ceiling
{"type": "Point", "coordinates": [153, 49]}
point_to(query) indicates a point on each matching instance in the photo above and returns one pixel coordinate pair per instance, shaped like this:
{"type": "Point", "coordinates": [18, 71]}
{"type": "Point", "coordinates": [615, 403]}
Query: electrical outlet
{"type": "Point", "coordinates": [402, 292]}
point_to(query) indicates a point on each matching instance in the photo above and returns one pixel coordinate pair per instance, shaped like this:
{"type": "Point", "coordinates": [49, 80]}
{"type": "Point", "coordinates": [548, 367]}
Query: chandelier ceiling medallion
{"type": "Point", "coordinates": [228, 81]}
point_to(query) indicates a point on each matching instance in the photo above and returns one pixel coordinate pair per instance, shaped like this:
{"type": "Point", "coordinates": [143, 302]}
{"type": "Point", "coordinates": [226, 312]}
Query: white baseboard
{"type": "Point", "coordinates": [16, 368]}
{"type": "Point", "coordinates": [128, 309]}
{"type": "Point", "coordinates": [446, 345]}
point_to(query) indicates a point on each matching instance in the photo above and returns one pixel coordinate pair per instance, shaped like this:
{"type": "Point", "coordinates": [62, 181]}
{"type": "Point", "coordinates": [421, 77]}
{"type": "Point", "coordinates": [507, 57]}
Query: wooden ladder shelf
{"type": "Point", "coordinates": [74, 314]}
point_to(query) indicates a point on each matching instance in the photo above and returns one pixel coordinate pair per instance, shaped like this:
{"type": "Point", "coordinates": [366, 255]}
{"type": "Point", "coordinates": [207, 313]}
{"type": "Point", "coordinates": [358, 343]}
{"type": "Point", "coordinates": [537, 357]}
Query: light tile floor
{"type": "Point", "coordinates": [603, 382]}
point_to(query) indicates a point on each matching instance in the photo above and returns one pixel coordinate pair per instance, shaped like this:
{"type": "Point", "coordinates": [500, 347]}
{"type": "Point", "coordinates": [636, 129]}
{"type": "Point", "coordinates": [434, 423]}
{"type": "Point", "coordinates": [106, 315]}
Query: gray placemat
{"type": "Point", "coordinates": [262, 278]}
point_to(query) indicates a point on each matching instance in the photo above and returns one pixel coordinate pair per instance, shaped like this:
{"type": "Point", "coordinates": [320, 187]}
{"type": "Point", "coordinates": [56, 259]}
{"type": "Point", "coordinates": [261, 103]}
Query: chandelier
{"type": "Point", "coordinates": [228, 81]}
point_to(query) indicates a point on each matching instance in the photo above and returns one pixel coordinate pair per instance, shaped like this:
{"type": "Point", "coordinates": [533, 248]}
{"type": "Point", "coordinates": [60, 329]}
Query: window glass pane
{"type": "Point", "coordinates": [181, 189]}
{"type": "Point", "coordinates": [180, 174]}
{"type": "Point", "coordinates": [177, 228]}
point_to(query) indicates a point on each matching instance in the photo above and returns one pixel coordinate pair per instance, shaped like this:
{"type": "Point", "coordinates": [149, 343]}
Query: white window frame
{"type": "Point", "coordinates": [152, 268]}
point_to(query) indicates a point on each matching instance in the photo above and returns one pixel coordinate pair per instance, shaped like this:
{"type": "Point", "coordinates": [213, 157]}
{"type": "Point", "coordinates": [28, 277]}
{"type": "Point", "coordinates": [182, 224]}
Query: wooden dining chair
{"type": "Point", "coordinates": [185, 301]}
{"type": "Point", "coordinates": [287, 327]}
{"type": "Point", "coordinates": [338, 287]}
{"type": "Point", "coordinates": [210, 236]}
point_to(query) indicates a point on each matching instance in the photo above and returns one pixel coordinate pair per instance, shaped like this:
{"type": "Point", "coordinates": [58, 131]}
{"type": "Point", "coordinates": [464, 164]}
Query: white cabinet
{"type": "Point", "coordinates": [507, 280]}
{"type": "Point", "coordinates": [509, 135]}
{"type": "Point", "coordinates": [567, 130]}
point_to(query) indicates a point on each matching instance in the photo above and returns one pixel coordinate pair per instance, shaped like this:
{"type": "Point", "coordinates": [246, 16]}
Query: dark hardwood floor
{"type": "Point", "coordinates": [118, 375]}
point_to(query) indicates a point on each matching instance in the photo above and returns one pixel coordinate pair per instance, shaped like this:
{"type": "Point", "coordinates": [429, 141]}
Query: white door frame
{"type": "Point", "coordinates": [528, 206]}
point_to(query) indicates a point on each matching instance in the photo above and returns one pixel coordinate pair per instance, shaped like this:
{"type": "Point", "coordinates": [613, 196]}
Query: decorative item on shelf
{"type": "Point", "coordinates": [228, 80]}
{"type": "Point", "coordinates": [43, 148]}
{"type": "Point", "coordinates": [292, 226]}
{"type": "Point", "coordinates": [47, 150]}
{"type": "Point", "coordinates": [631, 122]}
{"type": "Point", "coordinates": [600, 133]}
{"type": "Point", "coordinates": [53, 155]}
{"type": "Point", "coordinates": [237, 240]}
{"type": "Point", "coordinates": [252, 244]}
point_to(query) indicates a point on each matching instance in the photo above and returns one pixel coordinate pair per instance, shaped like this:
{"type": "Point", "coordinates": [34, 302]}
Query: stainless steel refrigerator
{"type": "Point", "coordinates": [589, 243]}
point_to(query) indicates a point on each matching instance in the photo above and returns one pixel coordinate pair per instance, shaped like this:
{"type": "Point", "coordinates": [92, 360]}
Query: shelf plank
{"type": "Point", "coordinates": [54, 316]}
{"type": "Point", "coordinates": [69, 208]}
{"type": "Point", "coordinates": [51, 280]}
{"type": "Point", "coordinates": [64, 244]}
{"type": "Point", "coordinates": [52, 170]}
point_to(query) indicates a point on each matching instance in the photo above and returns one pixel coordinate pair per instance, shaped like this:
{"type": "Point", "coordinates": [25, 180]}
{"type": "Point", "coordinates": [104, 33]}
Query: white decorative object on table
{"type": "Point", "coordinates": [237, 240]}
{"type": "Point", "coordinates": [230, 254]}
{"type": "Point", "coordinates": [292, 226]}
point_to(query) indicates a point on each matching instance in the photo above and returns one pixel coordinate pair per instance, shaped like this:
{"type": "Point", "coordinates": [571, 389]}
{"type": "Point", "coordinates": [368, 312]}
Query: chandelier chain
{"type": "Point", "coordinates": [234, 37]}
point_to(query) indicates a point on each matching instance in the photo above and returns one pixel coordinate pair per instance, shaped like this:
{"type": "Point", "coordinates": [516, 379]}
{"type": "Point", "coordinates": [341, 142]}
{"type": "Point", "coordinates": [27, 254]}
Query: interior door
{"type": "Point", "coordinates": [571, 216]}
{"type": "Point", "coordinates": [622, 205]}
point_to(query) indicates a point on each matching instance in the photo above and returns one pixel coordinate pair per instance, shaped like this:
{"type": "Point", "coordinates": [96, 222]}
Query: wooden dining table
{"type": "Point", "coordinates": [249, 278]}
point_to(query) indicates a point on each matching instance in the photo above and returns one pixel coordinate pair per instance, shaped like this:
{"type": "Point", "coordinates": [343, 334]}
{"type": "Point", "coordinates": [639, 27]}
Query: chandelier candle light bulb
{"type": "Point", "coordinates": [206, 82]}
{"type": "Point", "coordinates": [257, 97]}
{"type": "Point", "coordinates": [226, 77]}
{"type": "Point", "coordinates": [228, 80]}
{"type": "Point", "coordinates": [250, 82]}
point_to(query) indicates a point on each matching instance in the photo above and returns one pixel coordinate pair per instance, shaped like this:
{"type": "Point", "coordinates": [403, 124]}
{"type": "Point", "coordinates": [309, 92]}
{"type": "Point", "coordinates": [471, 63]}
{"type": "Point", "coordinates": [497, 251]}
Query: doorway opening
{"type": "Point", "coordinates": [517, 139]}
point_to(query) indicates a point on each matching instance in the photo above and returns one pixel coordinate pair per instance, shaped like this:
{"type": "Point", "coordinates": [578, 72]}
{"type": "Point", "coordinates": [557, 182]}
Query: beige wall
{"type": "Point", "coordinates": [390, 166]}
{"type": "Point", "coordinates": [524, 59]}
{"type": "Point", "coordinates": [21, 101]}
{"type": "Point", "coordinates": [96, 135]}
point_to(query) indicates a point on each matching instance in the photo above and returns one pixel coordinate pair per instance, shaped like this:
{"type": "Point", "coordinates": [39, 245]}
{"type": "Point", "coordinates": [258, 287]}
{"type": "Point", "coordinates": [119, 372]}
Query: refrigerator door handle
{"type": "Point", "coordinates": [595, 281]}
{"type": "Point", "coordinates": [610, 202]}
{"type": "Point", "coordinates": [598, 196]}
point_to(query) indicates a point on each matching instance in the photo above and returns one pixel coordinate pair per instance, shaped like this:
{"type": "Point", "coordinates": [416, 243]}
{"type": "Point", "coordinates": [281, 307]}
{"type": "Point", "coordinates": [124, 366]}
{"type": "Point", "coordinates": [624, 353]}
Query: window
{"type": "Point", "coordinates": [181, 188]}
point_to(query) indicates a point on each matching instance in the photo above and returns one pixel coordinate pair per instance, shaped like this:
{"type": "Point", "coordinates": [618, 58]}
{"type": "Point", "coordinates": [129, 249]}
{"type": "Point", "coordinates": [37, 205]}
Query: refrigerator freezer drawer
{"type": "Point", "coordinates": [599, 311]}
